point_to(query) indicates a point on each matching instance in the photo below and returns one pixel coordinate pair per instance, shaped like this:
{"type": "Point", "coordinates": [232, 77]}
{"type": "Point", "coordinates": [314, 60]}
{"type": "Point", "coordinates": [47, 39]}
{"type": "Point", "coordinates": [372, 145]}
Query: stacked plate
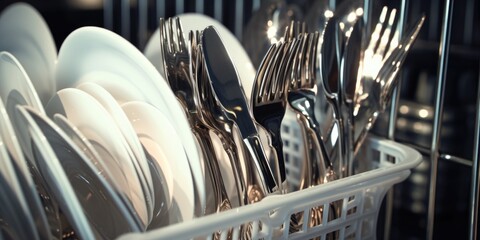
{"type": "Point", "coordinates": [93, 142]}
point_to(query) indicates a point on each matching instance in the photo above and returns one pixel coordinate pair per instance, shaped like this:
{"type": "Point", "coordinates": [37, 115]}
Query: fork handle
{"type": "Point", "coordinates": [318, 164]}
{"type": "Point", "coordinates": [257, 153]}
{"type": "Point", "coordinates": [222, 201]}
{"type": "Point", "coordinates": [277, 144]}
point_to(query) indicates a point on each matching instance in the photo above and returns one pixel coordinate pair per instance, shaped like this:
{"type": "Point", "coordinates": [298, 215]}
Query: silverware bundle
{"type": "Point", "coordinates": [112, 148]}
{"type": "Point", "coordinates": [336, 81]}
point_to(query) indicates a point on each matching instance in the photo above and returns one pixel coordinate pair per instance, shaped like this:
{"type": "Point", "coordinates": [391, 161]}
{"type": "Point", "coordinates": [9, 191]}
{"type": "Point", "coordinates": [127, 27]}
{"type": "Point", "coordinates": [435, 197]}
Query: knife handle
{"type": "Point", "coordinates": [257, 153]}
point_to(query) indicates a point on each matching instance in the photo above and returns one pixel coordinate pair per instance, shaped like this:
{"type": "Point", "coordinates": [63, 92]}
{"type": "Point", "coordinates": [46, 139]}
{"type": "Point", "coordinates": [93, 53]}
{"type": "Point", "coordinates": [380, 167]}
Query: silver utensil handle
{"type": "Point", "coordinates": [222, 202]}
{"type": "Point", "coordinates": [317, 164]}
{"type": "Point", "coordinates": [257, 153]}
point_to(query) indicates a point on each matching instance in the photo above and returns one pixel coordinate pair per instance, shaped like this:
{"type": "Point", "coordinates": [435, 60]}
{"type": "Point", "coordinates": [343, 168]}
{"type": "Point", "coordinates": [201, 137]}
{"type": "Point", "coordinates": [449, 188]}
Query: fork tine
{"type": "Point", "coordinates": [310, 59]}
{"type": "Point", "coordinates": [166, 37]}
{"type": "Point", "coordinates": [270, 86]}
{"type": "Point", "coordinates": [170, 34]}
{"type": "Point", "coordinates": [260, 79]}
{"type": "Point", "coordinates": [288, 32]}
{"type": "Point", "coordinates": [180, 38]}
{"type": "Point", "coordinates": [163, 37]}
{"type": "Point", "coordinates": [269, 74]}
{"type": "Point", "coordinates": [294, 30]}
{"type": "Point", "coordinates": [285, 68]}
{"type": "Point", "coordinates": [191, 48]}
{"type": "Point", "coordinates": [292, 74]}
{"type": "Point", "coordinates": [278, 87]}
{"type": "Point", "coordinates": [384, 40]}
{"type": "Point", "coordinates": [399, 53]}
{"type": "Point", "coordinates": [298, 69]}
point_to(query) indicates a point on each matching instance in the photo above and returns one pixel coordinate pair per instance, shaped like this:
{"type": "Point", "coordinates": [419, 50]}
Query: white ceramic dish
{"type": "Point", "coordinates": [87, 148]}
{"type": "Point", "coordinates": [23, 174]}
{"type": "Point", "coordinates": [26, 35]}
{"type": "Point", "coordinates": [13, 78]}
{"type": "Point", "coordinates": [196, 21]}
{"type": "Point", "coordinates": [162, 142]}
{"type": "Point", "coordinates": [92, 155]}
{"type": "Point", "coordinates": [96, 124]}
{"type": "Point", "coordinates": [16, 88]}
{"type": "Point", "coordinates": [56, 179]}
{"type": "Point", "coordinates": [6, 166]}
{"type": "Point", "coordinates": [102, 206]}
{"type": "Point", "coordinates": [21, 211]}
{"type": "Point", "coordinates": [92, 49]}
{"type": "Point", "coordinates": [108, 102]}
{"type": "Point", "coordinates": [15, 223]}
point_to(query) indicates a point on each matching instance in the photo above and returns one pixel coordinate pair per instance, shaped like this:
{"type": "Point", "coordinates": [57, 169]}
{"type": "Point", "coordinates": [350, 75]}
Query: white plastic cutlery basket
{"type": "Point", "coordinates": [359, 196]}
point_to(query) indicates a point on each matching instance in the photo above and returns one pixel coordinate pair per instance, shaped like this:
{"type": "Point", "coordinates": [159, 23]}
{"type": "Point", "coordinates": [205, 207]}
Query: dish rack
{"type": "Point", "coordinates": [384, 163]}
{"type": "Point", "coordinates": [137, 19]}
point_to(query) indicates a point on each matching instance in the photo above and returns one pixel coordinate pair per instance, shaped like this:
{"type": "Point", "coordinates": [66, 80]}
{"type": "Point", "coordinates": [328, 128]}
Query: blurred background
{"type": "Point", "coordinates": [136, 20]}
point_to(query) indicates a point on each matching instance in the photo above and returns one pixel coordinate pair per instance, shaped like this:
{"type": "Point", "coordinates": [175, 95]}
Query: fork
{"type": "Point", "coordinates": [208, 116]}
{"type": "Point", "coordinates": [302, 99]}
{"type": "Point", "coordinates": [375, 86]}
{"type": "Point", "coordinates": [269, 98]}
{"type": "Point", "coordinates": [178, 65]}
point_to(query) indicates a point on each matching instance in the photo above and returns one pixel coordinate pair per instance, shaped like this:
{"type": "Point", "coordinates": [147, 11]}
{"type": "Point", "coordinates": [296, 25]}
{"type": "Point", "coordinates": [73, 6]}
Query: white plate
{"type": "Point", "coordinates": [92, 155]}
{"type": "Point", "coordinates": [56, 179]}
{"type": "Point", "coordinates": [101, 204]}
{"type": "Point", "coordinates": [92, 49]}
{"type": "Point", "coordinates": [139, 160]}
{"type": "Point", "coordinates": [13, 78]}
{"type": "Point", "coordinates": [15, 224]}
{"type": "Point", "coordinates": [26, 35]}
{"type": "Point", "coordinates": [122, 89]}
{"type": "Point", "coordinates": [196, 21]}
{"type": "Point", "coordinates": [87, 148]}
{"type": "Point", "coordinates": [23, 173]}
{"type": "Point", "coordinates": [21, 211]}
{"type": "Point", "coordinates": [163, 143]}
{"type": "Point", "coordinates": [96, 124]}
{"type": "Point", "coordinates": [16, 88]}
{"type": "Point", "coordinates": [6, 166]}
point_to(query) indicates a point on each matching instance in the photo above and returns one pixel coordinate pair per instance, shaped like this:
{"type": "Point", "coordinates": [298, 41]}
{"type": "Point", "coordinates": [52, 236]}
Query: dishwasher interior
{"type": "Point", "coordinates": [437, 108]}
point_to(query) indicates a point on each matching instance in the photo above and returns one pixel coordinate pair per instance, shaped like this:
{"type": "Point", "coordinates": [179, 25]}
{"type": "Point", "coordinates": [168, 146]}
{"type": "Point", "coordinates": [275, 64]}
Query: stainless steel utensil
{"type": "Point", "coordinates": [317, 15]}
{"type": "Point", "coordinates": [228, 94]}
{"type": "Point", "coordinates": [375, 87]}
{"type": "Point", "coordinates": [177, 61]}
{"type": "Point", "coordinates": [302, 99]}
{"type": "Point", "coordinates": [266, 27]}
{"type": "Point", "coordinates": [210, 115]}
{"type": "Point", "coordinates": [331, 79]}
{"type": "Point", "coordinates": [269, 96]}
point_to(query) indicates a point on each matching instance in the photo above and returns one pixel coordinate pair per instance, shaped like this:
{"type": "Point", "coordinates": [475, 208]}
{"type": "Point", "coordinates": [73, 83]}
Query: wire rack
{"type": "Point", "coordinates": [435, 110]}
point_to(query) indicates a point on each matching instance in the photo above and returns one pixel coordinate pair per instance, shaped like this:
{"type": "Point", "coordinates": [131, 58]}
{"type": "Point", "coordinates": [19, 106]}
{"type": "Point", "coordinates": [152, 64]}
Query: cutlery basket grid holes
{"type": "Point", "coordinates": [359, 198]}
{"type": "Point", "coordinates": [293, 150]}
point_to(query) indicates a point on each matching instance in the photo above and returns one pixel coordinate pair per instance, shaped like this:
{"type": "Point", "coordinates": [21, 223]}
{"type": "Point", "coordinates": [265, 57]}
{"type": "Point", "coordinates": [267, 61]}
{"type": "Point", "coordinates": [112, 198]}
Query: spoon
{"type": "Point", "coordinates": [267, 26]}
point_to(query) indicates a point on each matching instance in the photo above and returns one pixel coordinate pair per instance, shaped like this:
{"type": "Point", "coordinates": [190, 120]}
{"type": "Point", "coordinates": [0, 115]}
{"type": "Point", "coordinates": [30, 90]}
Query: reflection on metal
{"type": "Point", "coordinates": [473, 223]}
{"type": "Point", "coordinates": [439, 102]}
{"type": "Point", "coordinates": [392, 120]}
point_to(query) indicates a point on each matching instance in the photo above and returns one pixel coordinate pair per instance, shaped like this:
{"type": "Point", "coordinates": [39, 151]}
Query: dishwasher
{"type": "Point", "coordinates": [435, 110]}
